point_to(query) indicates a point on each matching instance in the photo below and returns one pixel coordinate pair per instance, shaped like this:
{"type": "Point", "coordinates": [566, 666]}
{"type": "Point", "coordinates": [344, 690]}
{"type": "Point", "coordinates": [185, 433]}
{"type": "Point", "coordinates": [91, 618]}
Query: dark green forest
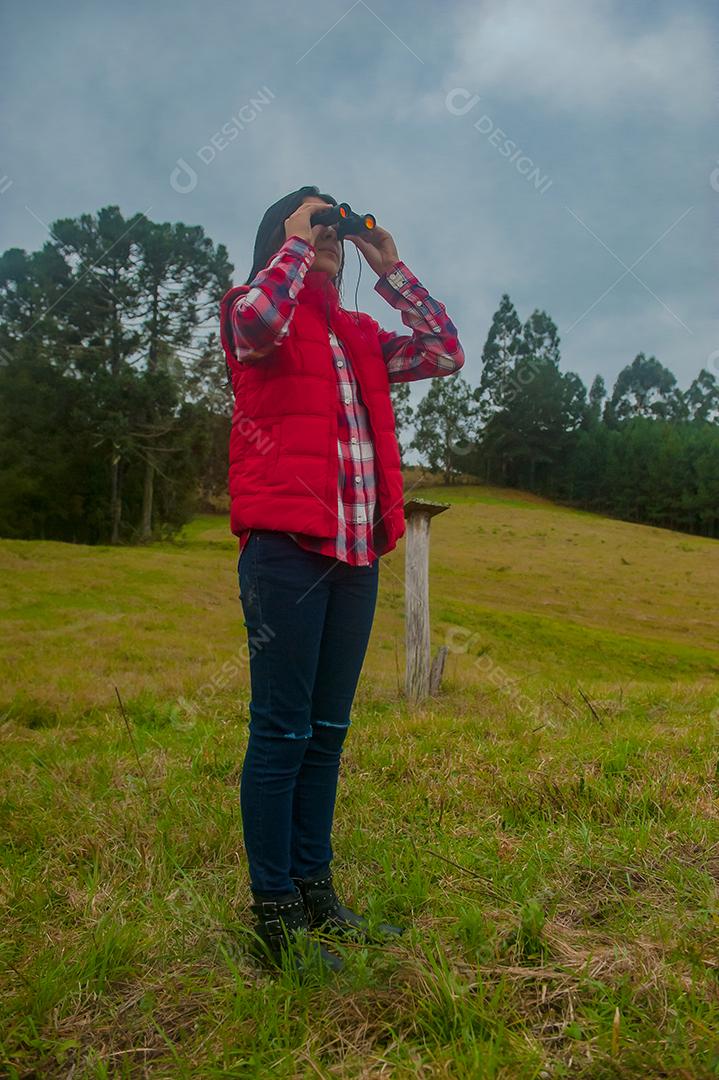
{"type": "Point", "coordinates": [116, 410]}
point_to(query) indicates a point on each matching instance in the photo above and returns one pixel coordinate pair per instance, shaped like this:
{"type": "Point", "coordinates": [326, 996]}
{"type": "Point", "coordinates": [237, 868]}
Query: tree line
{"type": "Point", "coordinates": [116, 409]}
{"type": "Point", "coordinates": [646, 451]}
{"type": "Point", "coordinates": [114, 416]}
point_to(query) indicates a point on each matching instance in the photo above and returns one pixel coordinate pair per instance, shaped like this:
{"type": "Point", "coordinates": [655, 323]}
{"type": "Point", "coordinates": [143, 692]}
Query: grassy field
{"type": "Point", "coordinates": [548, 826]}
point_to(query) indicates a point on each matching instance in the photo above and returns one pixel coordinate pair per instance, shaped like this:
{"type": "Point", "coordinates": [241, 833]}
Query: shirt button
{"type": "Point", "coordinates": [340, 363]}
{"type": "Point", "coordinates": [347, 399]}
{"type": "Point", "coordinates": [358, 479]}
{"type": "Point", "coordinates": [354, 439]}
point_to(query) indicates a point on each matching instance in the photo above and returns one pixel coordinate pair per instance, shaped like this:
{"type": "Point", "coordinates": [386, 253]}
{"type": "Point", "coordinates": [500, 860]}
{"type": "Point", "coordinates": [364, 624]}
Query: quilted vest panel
{"type": "Point", "coordinates": [283, 440]}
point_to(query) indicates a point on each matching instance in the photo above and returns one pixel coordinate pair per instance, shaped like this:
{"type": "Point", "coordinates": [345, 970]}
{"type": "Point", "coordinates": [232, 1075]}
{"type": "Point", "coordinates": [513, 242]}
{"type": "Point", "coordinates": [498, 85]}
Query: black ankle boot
{"type": "Point", "coordinates": [282, 927]}
{"type": "Point", "coordinates": [325, 912]}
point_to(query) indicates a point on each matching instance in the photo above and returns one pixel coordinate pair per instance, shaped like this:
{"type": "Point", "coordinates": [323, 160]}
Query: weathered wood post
{"type": "Point", "coordinates": [421, 679]}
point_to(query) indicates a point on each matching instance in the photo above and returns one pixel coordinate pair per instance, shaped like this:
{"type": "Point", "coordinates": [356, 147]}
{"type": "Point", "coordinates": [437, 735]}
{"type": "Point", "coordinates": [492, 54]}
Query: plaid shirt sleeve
{"type": "Point", "coordinates": [261, 317]}
{"type": "Point", "coordinates": [433, 347]}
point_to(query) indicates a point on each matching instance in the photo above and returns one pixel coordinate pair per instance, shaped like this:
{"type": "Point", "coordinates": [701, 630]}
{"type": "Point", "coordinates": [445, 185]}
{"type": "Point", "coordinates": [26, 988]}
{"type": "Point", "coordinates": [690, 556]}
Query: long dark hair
{"type": "Point", "coordinates": [271, 233]}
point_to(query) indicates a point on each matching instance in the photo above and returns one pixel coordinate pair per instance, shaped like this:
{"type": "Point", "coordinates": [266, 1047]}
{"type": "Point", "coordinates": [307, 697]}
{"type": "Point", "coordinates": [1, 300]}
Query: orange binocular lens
{"type": "Point", "coordinates": [346, 222]}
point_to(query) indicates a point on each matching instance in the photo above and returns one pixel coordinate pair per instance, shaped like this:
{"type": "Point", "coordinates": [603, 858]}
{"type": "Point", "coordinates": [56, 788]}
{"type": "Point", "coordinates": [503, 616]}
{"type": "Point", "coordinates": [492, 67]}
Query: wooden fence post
{"type": "Point", "coordinates": [421, 676]}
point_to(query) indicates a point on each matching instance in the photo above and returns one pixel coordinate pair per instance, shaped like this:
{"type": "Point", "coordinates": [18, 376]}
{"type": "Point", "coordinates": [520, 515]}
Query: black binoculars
{"type": "Point", "coordinates": [344, 219]}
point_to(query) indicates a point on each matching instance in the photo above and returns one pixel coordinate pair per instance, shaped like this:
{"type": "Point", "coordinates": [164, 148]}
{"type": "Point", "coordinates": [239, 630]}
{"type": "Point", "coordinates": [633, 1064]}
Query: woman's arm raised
{"type": "Point", "coordinates": [261, 317]}
{"type": "Point", "coordinates": [433, 347]}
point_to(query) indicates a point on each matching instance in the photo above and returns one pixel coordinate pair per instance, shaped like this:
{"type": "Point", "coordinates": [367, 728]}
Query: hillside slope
{"type": "Point", "coordinates": [547, 828]}
{"type": "Point", "coordinates": [545, 593]}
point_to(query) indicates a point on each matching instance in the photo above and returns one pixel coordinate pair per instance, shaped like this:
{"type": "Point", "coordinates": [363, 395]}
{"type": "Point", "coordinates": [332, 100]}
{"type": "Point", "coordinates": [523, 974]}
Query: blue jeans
{"type": "Point", "coordinates": [308, 619]}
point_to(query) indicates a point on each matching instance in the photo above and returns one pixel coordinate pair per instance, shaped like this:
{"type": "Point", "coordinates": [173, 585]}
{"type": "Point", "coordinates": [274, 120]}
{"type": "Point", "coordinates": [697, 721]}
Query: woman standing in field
{"type": "Point", "coordinates": [316, 498]}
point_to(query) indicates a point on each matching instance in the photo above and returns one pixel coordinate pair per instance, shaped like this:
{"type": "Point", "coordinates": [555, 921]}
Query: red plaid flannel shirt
{"type": "Point", "coordinates": [261, 319]}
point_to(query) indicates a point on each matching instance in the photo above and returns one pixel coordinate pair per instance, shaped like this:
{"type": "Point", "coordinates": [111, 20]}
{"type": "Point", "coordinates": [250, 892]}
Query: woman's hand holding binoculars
{"type": "Point", "coordinates": [312, 218]}
{"type": "Point", "coordinates": [378, 248]}
{"type": "Point", "coordinates": [299, 223]}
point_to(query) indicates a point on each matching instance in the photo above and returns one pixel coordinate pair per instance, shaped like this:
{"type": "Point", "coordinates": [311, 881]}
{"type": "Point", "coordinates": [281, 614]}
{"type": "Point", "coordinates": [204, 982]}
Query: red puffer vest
{"type": "Point", "coordinates": [283, 442]}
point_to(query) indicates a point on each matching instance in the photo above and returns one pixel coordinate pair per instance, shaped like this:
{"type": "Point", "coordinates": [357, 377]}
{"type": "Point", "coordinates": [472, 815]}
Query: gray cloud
{"type": "Point", "coordinates": [591, 57]}
{"type": "Point", "coordinates": [612, 104]}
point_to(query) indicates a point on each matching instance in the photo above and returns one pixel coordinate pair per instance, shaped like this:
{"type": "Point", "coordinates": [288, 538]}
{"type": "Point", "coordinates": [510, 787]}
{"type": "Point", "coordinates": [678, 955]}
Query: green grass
{"type": "Point", "coordinates": [548, 827]}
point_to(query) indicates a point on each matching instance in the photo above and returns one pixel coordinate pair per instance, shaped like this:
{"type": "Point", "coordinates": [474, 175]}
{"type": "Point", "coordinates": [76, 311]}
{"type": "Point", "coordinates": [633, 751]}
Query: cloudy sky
{"type": "Point", "coordinates": [563, 151]}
